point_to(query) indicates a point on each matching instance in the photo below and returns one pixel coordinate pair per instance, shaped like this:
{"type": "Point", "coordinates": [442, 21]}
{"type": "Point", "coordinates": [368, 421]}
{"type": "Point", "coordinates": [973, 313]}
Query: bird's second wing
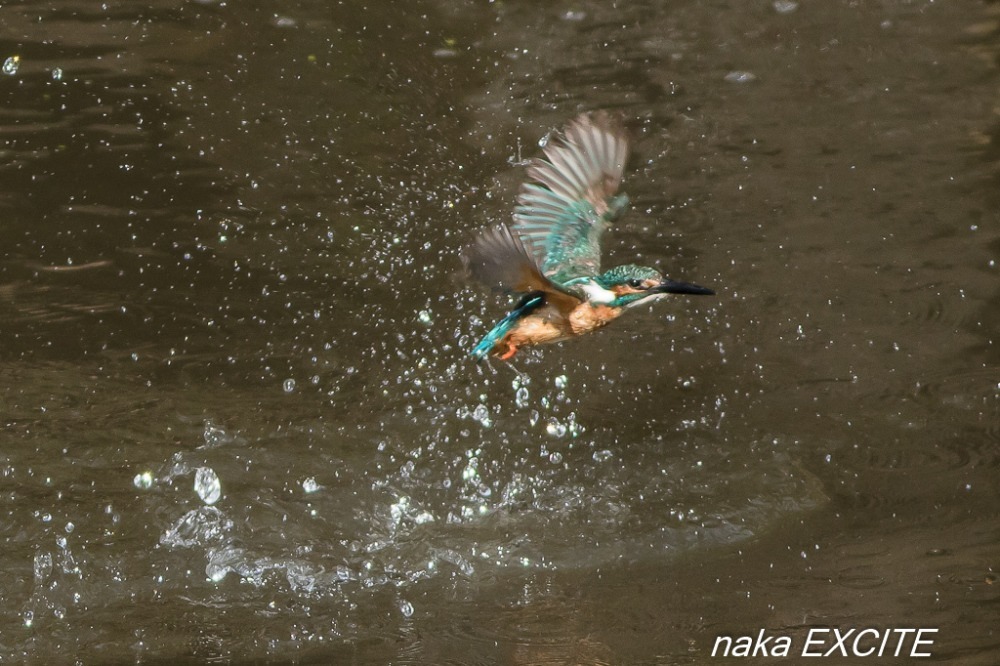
{"type": "Point", "coordinates": [499, 259]}
{"type": "Point", "coordinates": [570, 199]}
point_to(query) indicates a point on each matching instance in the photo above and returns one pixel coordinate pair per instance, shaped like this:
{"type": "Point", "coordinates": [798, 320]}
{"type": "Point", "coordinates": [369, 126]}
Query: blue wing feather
{"type": "Point", "coordinates": [526, 306]}
{"type": "Point", "coordinates": [563, 213]}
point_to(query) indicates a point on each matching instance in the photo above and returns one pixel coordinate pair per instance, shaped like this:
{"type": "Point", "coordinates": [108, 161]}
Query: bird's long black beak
{"type": "Point", "coordinates": [674, 287]}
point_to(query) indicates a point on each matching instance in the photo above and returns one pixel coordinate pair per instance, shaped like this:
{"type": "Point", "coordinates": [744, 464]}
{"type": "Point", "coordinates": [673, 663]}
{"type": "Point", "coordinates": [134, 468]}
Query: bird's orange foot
{"type": "Point", "coordinates": [509, 354]}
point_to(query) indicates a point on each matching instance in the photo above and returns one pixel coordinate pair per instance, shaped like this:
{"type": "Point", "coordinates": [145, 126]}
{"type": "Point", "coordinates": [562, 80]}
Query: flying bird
{"type": "Point", "coordinates": [551, 254]}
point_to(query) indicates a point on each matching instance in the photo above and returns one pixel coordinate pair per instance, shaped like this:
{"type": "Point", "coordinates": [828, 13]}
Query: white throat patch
{"type": "Point", "coordinates": [596, 293]}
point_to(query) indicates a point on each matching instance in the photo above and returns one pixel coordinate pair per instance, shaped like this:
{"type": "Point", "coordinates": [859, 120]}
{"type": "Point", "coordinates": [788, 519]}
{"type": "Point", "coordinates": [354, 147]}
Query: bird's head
{"type": "Point", "coordinates": [632, 284]}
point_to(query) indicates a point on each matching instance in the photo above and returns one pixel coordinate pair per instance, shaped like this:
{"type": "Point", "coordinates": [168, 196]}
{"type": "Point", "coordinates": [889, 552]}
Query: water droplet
{"type": "Point", "coordinates": [143, 480]}
{"type": "Point", "coordinates": [555, 457]}
{"type": "Point", "coordinates": [482, 414]}
{"type": "Point", "coordinates": [206, 484]}
{"type": "Point", "coordinates": [214, 435]}
{"type": "Point", "coordinates": [11, 64]}
{"type": "Point", "coordinates": [603, 455]}
{"type": "Point", "coordinates": [785, 6]}
{"type": "Point", "coordinates": [398, 510]}
{"type": "Point", "coordinates": [521, 397]}
{"type": "Point", "coordinates": [310, 486]}
{"type": "Point", "coordinates": [561, 381]}
{"type": "Point", "coordinates": [230, 558]}
{"type": "Point", "coordinates": [406, 608]}
{"type": "Point", "coordinates": [57, 74]}
{"type": "Point", "coordinates": [573, 428]}
{"type": "Point", "coordinates": [216, 572]}
{"type": "Point", "coordinates": [555, 428]}
{"type": "Point", "coordinates": [197, 527]}
{"type": "Point", "coordinates": [289, 385]}
{"type": "Point", "coordinates": [407, 469]}
{"type": "Point", "coordinates": [43, 567]}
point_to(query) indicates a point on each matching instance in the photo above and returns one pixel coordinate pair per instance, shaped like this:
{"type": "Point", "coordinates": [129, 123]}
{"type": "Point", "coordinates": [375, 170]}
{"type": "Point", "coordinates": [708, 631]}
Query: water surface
{"type": "Point", "coordinates": [238, 418]}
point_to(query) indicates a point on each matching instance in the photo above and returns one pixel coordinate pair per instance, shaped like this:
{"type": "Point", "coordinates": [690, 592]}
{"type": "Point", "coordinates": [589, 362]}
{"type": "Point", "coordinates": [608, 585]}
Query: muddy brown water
{"type": "Point", "coordinates": [238, 423]}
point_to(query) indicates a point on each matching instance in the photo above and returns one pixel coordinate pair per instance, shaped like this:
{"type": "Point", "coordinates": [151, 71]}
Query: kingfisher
{"type": "Point", "coordinates": [551, 255]}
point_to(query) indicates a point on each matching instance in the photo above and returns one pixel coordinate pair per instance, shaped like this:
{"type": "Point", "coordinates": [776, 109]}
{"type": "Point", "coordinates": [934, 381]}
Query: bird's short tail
{"type": "Point", "coordinates": [528, 304]}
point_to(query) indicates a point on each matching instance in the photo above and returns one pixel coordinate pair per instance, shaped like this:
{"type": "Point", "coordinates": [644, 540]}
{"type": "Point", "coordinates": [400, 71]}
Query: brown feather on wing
{"type": "Point", "coordinates": [499, 259]}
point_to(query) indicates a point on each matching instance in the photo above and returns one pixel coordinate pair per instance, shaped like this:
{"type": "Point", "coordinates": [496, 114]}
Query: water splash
{"type": "Point", "coordinates": [198, 527]}
{"type": "Point", "coordinates": [521, 397]}
{"type": "Point", "coordinates": [207, 485]}
{"type": "Point", "coordinates": [11, 65]}
{"type": "Point", "coordinates": [42, 567]}
{"type": "Point", "coordinates": [215, 435]}
{"type": "Point", "coordinates": [222, 561]}
{"type": "Point", "coordinates": [143, 480]}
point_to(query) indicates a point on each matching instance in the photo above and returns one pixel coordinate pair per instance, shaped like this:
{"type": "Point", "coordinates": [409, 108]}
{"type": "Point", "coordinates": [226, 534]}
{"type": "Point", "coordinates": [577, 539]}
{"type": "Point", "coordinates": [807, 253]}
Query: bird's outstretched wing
{"type": "Point", "coordinates": [570, 200]}
{"type": "Point", "coordinates": [498, 258]}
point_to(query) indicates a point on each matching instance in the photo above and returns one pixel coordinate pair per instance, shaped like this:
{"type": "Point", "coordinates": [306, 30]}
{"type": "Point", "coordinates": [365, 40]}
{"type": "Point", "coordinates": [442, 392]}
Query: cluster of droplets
{"type": "Point", "coordinates": [422, 494]}
{"type": "Point", "coordinates": [549, 405]}
{"type": "Point", "coordinates": [480, 413]}
{"type": "Point", "coordinates": [517, 459]}
{"type": "Point", "coordinates": [54, 573]}
{"type": "Point", "coordinates": [12, 64]}
{"type": "Point", "coordinates": [205, 526]}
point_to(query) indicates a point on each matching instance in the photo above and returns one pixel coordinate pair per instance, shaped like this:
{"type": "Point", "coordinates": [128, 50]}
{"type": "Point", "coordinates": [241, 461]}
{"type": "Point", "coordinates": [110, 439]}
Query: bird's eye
{"type": "Point", "coordinates": [635, 284]}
